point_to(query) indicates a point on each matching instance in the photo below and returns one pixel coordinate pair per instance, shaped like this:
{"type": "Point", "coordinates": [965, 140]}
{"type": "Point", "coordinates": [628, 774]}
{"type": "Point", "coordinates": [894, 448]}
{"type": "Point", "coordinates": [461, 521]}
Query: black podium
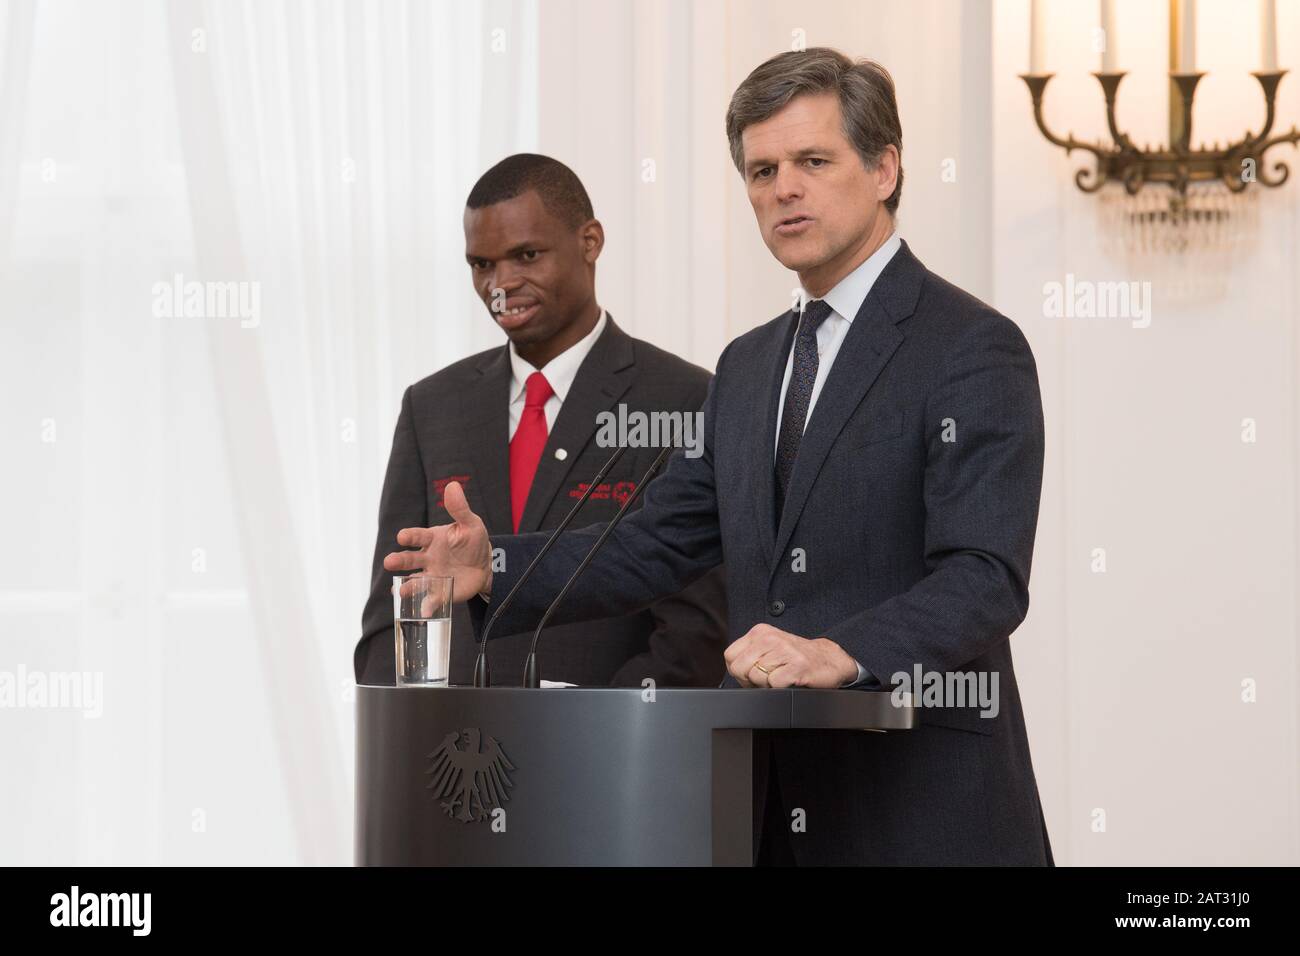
{"type": "Point", "coordinates": [576, 776]}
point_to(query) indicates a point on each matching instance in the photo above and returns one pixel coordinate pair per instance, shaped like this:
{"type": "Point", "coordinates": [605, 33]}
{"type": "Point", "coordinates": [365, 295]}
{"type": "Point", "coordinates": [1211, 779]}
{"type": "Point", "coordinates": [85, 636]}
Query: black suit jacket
{"type": "Point", "coordinates": [915, 550]}
{"type": "Point", "coordinates": [455, 425]}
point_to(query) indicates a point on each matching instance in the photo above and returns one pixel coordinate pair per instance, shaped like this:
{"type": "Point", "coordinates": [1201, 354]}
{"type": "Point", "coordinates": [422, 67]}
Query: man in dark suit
{"type": "Point", "coordinates": [871, 473]}
{"type": "Point", "coordinates": [516, 428]}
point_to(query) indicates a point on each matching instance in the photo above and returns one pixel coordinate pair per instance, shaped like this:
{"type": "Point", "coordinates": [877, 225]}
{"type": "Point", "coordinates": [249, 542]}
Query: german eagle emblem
{"type": "Point", "coordinates": [467, 779]}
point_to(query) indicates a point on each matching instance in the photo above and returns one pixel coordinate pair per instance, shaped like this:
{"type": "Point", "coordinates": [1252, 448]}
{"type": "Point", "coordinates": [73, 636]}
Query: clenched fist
{"type": "Point", "coordinates": [770, 657]}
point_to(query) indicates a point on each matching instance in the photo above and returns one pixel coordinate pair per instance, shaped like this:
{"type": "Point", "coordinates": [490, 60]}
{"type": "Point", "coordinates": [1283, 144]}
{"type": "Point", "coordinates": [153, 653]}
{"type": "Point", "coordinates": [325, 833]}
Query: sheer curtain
{"type": "Point", "coordinates": [200, 532]}
{"type": "Point", "coordinates": [328, 149]}
{"type": "Point", "coordinates": [16, 25]}
{"type": "Point", "coordinates": [192, 494]}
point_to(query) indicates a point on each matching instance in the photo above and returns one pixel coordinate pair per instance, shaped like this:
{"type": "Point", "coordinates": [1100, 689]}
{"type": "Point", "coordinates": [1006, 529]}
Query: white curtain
{"type": "Point", "coordinates": [17, 21]}
{"type": "Point", "coordinates": [200, 532]}
{"type": "Point", "coordinates": [329, 148]}
{"type": "Point", "coordinates": [195, 497]}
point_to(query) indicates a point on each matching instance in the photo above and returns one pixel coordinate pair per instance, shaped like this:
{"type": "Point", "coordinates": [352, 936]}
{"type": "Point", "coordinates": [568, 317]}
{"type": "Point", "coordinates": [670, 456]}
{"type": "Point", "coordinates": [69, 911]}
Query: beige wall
{"type": "Point", "coordinates": [1132, 677]}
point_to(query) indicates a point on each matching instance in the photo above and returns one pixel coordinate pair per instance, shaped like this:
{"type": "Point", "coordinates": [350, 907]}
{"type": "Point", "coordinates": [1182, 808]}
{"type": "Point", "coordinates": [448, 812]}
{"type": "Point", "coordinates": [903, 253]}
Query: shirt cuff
{"type": "Point", "coordinates": [864, 677]}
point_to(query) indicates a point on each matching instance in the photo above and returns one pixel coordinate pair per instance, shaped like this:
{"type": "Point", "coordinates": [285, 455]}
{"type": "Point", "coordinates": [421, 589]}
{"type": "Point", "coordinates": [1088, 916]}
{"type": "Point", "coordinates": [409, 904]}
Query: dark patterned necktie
{"type": "Point", "coordinates": [797, 396]}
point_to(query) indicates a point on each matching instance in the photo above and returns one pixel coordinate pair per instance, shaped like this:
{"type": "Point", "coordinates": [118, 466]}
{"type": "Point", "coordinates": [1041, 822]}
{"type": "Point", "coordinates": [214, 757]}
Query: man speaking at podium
{"type": "Point", "coordinates": [516, 428]}
{"type": "Point", "coordinates": [871, 473]}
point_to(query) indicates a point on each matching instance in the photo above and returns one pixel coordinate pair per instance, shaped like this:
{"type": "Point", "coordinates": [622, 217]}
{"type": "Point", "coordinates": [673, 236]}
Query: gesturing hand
{"type": "Point", "coordinates": [459, 550]}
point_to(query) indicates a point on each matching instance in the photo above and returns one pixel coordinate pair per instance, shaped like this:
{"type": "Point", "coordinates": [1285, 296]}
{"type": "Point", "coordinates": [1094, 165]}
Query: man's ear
{"type": "Point", "coordinates": [592, 237]}
{"type": "Point", "coordinates": [886, 172]}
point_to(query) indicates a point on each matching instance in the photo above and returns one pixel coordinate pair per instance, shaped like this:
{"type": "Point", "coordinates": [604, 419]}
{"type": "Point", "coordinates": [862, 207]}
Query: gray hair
{"type": "Point", "coordinates": [865, 90]}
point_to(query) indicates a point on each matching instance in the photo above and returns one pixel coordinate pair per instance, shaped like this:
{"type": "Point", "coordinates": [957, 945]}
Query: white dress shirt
{"type": "Point", "coordinates": [845, 299]}
{"type": "Point", "coordinates": [559, 371]}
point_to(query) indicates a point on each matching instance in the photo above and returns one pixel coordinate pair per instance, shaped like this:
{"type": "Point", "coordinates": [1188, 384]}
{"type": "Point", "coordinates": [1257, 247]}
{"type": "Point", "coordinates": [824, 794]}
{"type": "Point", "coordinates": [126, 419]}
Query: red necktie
{"type": "Point", "coordinates": [526, 447]}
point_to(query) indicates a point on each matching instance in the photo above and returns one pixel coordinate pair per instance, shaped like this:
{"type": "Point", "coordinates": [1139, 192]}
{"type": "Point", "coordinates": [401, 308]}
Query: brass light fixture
{"type": "Point", "coordinates": [1178, 164]}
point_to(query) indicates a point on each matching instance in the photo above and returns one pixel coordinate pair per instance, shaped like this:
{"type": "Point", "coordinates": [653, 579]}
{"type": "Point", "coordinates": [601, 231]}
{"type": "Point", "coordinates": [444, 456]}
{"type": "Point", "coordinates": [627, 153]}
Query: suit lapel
{"type": "Point", "coordinates": [605, 374]}
{"type": "Point", "coordinates": [485, 410]}
{"type": "Point", "coordinates": [763, 445]}
{"type": "Point", "coordinates": [868, 346]}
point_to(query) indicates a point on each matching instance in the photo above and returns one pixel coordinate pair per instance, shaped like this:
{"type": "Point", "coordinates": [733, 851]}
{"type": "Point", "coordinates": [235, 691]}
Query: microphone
{"type": "Point", "coordinates": [532, 676]}
{"type": "Point", "coordinates": [482, 673]}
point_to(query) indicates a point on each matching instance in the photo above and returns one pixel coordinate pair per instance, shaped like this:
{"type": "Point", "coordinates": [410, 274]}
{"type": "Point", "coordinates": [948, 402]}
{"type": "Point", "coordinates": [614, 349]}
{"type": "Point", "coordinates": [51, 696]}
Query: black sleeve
{"type": "Point", "coordinates": [690, 633]}
{"type": "Point", "coordinates": [660, 549]}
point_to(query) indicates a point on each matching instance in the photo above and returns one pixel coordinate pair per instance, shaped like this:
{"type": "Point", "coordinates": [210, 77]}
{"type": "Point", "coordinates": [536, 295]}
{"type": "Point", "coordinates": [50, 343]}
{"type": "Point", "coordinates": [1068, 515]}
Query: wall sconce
{"type": "Point", "coordinates": [1177, 165]}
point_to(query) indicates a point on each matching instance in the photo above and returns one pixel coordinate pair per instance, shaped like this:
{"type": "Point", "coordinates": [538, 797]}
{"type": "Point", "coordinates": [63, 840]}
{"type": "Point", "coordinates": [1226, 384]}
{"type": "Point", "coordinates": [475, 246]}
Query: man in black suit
{"type": "Point", "coordinates": [871, 473]}
{"type": "Point", "coordinates": [516, 428]}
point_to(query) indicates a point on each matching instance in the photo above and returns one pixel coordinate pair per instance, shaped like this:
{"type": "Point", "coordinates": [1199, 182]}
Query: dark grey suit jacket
{"type": "Point", "coordinates": [455, 425]}
{"type": "Point", "coordinates": [916, 550]}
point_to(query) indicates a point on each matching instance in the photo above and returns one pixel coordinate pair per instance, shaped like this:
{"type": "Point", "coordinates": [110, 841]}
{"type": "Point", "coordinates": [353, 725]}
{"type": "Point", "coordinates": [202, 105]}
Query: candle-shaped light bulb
{"type": "Point", "coordinates": [1037, 35]}
{"type": "Point", "coordinates": [1110, 52]}
{"type": "Point", "coordinates": [1187, 36]}
{"type": "Point", "coordinates": [1268, 35]}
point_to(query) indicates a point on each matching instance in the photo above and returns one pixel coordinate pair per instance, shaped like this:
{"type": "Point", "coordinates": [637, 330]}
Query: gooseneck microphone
{"type": "Point", "coordinates": [532, 676]}
{"type": "Point", "coordinates": [482, 673]}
